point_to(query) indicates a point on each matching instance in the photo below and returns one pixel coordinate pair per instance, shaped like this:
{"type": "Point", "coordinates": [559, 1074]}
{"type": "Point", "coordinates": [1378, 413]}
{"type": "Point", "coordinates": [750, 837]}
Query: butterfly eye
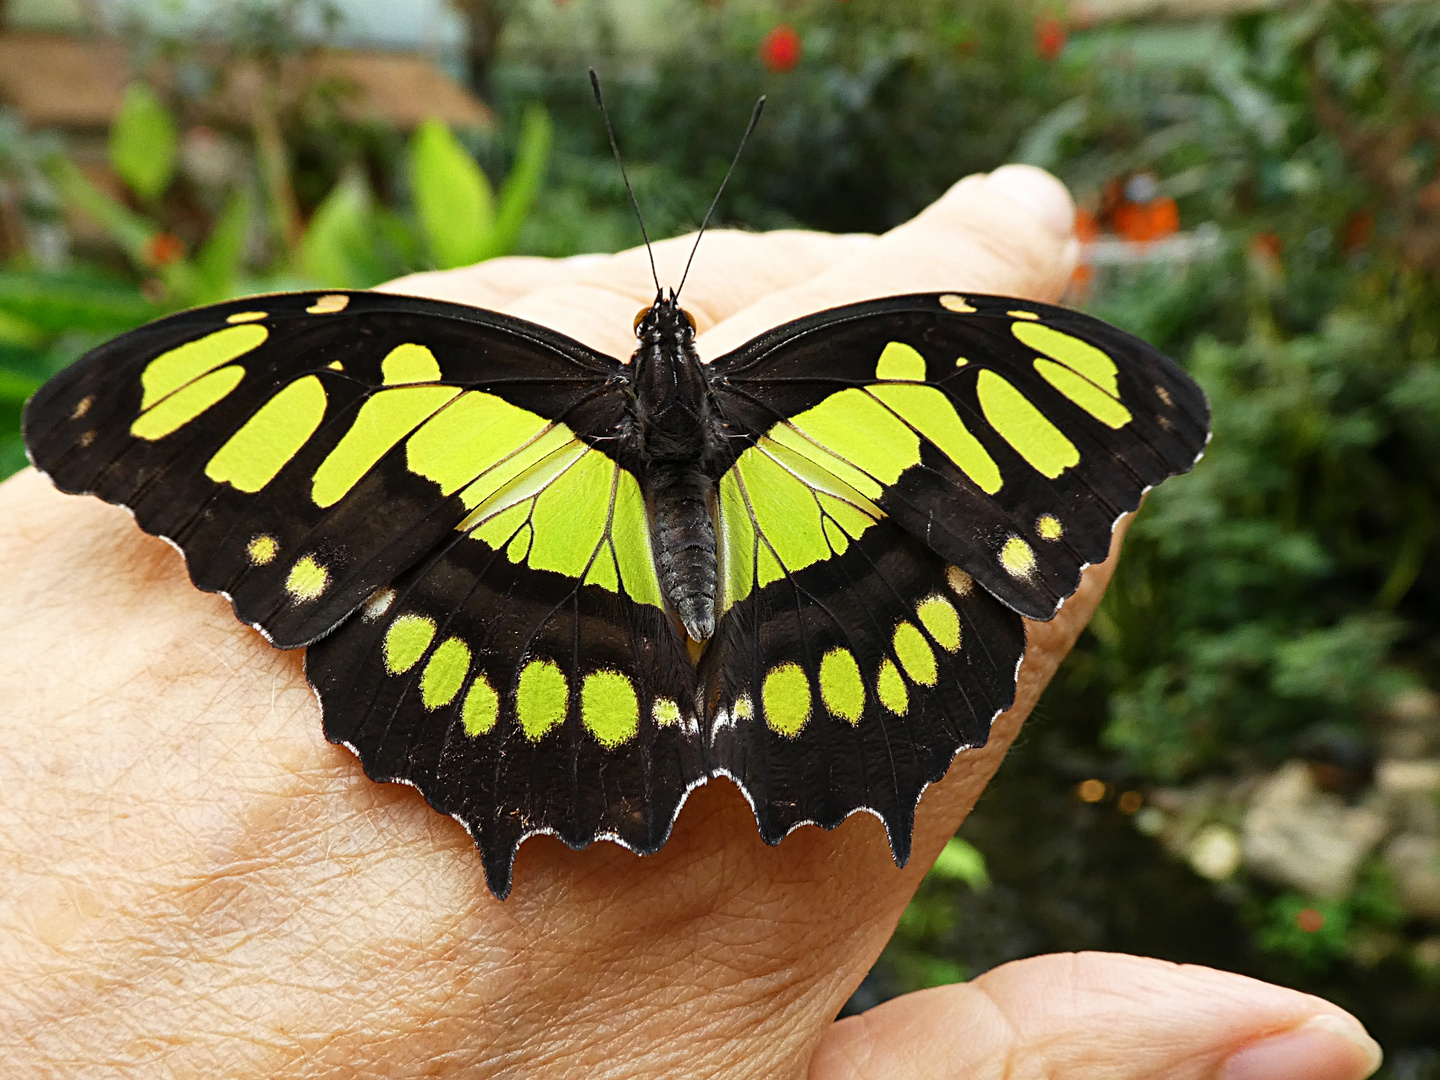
{"type": "Point", "coordinates": [640, 317]}
{"type": "Point", "coordinates": [690, 319]}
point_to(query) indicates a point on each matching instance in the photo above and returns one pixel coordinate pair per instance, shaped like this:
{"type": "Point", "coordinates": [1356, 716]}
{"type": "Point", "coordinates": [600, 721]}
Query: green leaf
{"type": "Point", "coordinates": [960, 861]}
{"type": "Point", "coordinates": [144, 142]}
{"type": "Point", "coordinates": [522, 186]}
{"type": "Point", "coordinates": [16, 386]}
{"type": "Point", "coordinates": [338, 249]}
{"type": "Point", "coordinates": [453, 199]}
{"type": "Point", "coordinates": [17, 331]}
{"type": "Point", "coordinates": [219, 258]}
{"type": "Point", "coordinates": [134, 233]}
{"type": "Point", "coordinates": [52, 303]}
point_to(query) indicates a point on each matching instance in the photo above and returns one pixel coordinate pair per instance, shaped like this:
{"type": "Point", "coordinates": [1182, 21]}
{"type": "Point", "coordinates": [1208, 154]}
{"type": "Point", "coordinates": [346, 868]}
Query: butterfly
{"type": "Point", "coordinates": [555, 591]}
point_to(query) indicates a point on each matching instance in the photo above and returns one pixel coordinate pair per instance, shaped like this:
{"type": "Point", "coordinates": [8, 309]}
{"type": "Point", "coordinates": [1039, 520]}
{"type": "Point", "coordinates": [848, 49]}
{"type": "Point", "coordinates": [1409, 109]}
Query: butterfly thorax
{"type": "Point", "coordinates": [678, 439]}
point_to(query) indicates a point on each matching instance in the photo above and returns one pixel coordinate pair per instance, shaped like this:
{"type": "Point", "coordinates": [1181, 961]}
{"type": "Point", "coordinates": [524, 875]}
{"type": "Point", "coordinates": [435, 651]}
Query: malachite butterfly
{"type": "Point", "coordinates": [556, 592]}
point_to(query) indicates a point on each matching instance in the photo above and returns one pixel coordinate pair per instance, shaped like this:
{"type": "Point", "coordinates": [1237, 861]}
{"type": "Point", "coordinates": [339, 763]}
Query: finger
{"type": "Point", "coordinates": [594, 297]}
{"type": "Point", "coordinates": [1099, 1015]}
{"type": "Point", "coordinates": [1009, 232]}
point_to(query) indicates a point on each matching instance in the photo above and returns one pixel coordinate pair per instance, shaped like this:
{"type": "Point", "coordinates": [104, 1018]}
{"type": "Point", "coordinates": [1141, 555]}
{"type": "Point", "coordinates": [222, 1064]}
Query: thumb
{"type": "Point", "coordinates": [1082, 1015]}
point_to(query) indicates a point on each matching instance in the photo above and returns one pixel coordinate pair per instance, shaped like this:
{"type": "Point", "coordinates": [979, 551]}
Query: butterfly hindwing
{"type": "Point", "coordinates": [1007, 436]}
{"type": "Point", "coordinates": [519, 699]}
{"type": "Point", "coordinates": [851, 682]}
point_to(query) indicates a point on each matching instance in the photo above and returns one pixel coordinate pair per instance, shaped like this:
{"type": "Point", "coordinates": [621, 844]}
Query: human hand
{"type": "Point", "coordinates": [195, 882]}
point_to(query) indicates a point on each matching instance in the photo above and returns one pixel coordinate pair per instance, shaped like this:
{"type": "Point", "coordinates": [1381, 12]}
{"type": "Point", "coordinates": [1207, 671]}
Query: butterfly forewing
{"type": "Point", "coordinates": [1007, 436]}
{"type": "Point", "coordinates": [281, 441]}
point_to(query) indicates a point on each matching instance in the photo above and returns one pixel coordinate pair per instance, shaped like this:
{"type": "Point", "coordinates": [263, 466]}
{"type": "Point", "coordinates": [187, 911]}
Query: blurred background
{"type": "Point", "coordinates": [1240, 764]}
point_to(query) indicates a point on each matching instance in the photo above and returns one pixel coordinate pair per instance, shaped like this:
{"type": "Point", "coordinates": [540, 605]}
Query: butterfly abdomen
{"type": "Point", "coordinates": [679, 440]}
{"type": "Point", "coordinates": [685, 549]}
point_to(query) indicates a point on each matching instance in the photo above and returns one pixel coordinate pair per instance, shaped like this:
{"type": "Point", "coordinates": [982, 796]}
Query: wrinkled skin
{"type": "Point", "coordinates": [196, 884]}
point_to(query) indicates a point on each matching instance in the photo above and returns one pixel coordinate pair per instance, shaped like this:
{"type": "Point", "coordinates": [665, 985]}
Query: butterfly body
{"type": "Point", "coordinates": [501, 547]}
{"type": "Point", "coordinates": [677, 443]}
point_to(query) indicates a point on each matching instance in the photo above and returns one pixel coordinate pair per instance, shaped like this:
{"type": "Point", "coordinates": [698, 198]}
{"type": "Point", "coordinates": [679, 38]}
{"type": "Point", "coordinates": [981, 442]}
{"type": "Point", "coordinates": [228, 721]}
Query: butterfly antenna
{"type": "Point", "coordinates": [605, 114]}
{"type": "Point", "coordinates": [754, 119]}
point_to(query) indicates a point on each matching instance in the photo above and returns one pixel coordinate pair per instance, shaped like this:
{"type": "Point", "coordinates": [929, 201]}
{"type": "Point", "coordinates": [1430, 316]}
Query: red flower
{"type": "Point", "coordinates": [1049, 37]}
{"type": "Point", "coordinates": [1266, 246]}
{"type": "Point", "coordinates": [780, 48]}
{"type": "Point", "coordinates": [1087, 228]}
{"type": "Point", "coordinates": [1355, 233]}
{"type": "Point", "coordinates": [1309, 921]}
{"type": "Point", "coordinates": [1142, 222]}
{"type": "Point", "coordinates": [162, 249]}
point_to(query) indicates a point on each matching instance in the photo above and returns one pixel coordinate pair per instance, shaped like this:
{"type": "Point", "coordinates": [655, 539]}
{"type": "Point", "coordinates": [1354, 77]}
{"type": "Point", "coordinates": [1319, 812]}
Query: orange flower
{"type": "Point", "coordinates": [1310, 921]}
{"type": "Point", "coordinates": [1087, 227]}
{"type": "Point", "coordinates": [1049, 37]}
{"type": "Point", "coordinates": [1141, 223]}
{"type": "Point", "coordinates": [780, 48]}
{"type": "Point", "coordinates": [162, 249]}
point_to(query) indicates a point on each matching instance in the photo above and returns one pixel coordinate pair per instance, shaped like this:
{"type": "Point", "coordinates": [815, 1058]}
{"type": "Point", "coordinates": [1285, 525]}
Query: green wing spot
{"type": "Point", "coordinates": [469, 438]}
{"type": "Point", "coordinates": [940, 618]}
{"type": "Point", "coordinates": [541, 698]}
{"type": "Point", "coordinates": [916, 656]}
{"type": "Point", "coordinates": [177, 410]}
{"type": "Point", "coordinates": [571, 514]}
{"type": "Point", "coordinates": [409, 363]}
{"type": "Point", "coordinates": [900, 361]}
{"type": "Point", "coordinates": [171, 370]}
{"type": "Point", "coordinates": [665, 712]}
{"type": "Point", "coordinates": [744, 708]}
{"type": "Point", "coordinates": [1080, 356]}
{"type": "Point", "coordinates": [481, 708]}
{"type": "Point", "coordinates": [497, 531]}
{"type": "Point", "coordinates": [383, 420]}
{"type": "Point", "coordinates": [444, 673]}
{"type": "Point", "coordinates": [1084, 393]}
{"type": "Point", "coordinates": [253, 455]}
{"type": "Point", "coordinates": [786, 514]}
{"type": "Point", "coordinates": [307, 579]}
{"type": "Point", "coordinates": [841, 686]}
{"type": "Point", "coordinates": [522, 474]}
{"type": "Point", "coordinates": [1049, 527]}
{"type": "Point", "coordinates": [837, 469]}
{"type": "Point", "coordinates": [785, 696]}
{"type": "Point", "coordinates": [1022, 314]}
{"type": "Point", "coordinates": [1017, 558]}
{"type": "Point", "coordinates": [262, 549]}
{"type": "Point", "coordinates": [630, 535]}
{"type": "Point", "coordinates": [609, 707]}
{"type": "Point", "coordinates": [246, 316]}
{"type": "Point", "coordinates": [1024, 426]}
{"type": "Point", "coordinates": [857, 428]}
{"type": "Point", "coordinates": [930, 412]}
{"type": "Point", "coordinates": [890, 687]}
{"type": "Point", "coordinates": [735, 538]}
{"type": "Point", "coordinates": [406, 641]}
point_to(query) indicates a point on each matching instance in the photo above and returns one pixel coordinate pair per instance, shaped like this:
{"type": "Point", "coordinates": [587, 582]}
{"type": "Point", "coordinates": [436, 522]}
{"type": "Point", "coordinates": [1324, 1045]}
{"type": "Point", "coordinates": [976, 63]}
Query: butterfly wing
{"type": "Point", "coordinates": [294, 446]}
{"type": "Point", "coordinates": [1005, 435]}
{"type": "Point", "coordinates": [889, 457]}
{"type": "Point", "coordinates": [419, 491]}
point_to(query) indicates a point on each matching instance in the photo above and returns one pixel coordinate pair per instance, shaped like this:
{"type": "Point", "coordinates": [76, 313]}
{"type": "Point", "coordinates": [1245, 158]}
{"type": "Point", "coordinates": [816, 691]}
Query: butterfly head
{"type": "Point", "coordinates": [664, 321]}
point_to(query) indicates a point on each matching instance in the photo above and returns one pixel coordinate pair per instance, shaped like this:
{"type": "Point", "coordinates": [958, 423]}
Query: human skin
{"type": "Point", "coordinates": [196, 884]}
